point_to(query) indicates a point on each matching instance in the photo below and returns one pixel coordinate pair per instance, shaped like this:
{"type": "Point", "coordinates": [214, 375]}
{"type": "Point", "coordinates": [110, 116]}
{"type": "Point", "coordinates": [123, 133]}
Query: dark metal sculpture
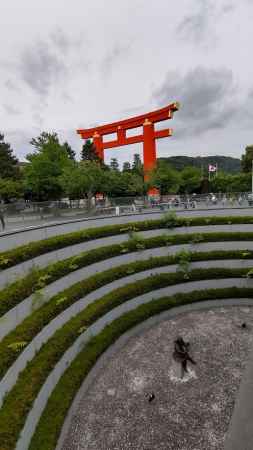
{"type": "Point", "coordinates": [151, 397]}
{"type": "Point", "coordinates": [181, 354]}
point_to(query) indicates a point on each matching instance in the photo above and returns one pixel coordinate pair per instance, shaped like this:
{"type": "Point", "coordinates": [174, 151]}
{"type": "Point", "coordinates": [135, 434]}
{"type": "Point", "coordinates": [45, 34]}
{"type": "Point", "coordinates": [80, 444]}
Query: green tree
{"type": "Point", "coordinates": [137, 185]}
{"type": "Point", "coordinates": [89, 152]}
{"type": "Point", "coordinates": [126, 166]}
{"type": "Point", "coordinates": [190, 179]}
{"type": "Point", "coordinates": [224, 182]}
{"type": "Point", "coordinates": [115, 184]}
{"type": "Point", "coordinates": [114, 165]}
{"type": "Point", "coordinates": [166, 179]}
{"type": "Point", "coordinates": [72, 182]}
{"type": "Point", "coordinates": [83, 178]}
{"type": "Point", "coordinates": [8, 162]}
{"type": "Point", "coordinates": [120, 184]}
{"type": "Point", "coordinates": [221, 183]}
{"type": "Point", "coordinates": [10, 189]}
{"type": "Point", "coordinates": [241, 182]}
{"type": "Point", "coordinates": [246, 161]}
{"type": "Point", "coordinates": [137, 165]}
{"type": "Point", "coordinates": [71, 153]}
{"type": "Point", "coordinates": [45, 167]}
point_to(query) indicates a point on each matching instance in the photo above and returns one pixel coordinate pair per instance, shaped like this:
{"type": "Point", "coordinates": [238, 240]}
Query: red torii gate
{"type": "Point", "coordinates": [148, 137]}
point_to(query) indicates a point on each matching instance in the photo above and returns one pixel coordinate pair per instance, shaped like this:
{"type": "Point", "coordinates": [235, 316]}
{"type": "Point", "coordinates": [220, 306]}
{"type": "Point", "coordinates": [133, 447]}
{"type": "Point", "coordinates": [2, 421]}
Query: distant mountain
{"type": "Point", "coordinates": [225, 163]}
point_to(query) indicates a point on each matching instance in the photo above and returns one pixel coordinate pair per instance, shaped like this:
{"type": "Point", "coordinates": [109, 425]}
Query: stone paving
{"type": "Point", "coordinates": [192, 413]}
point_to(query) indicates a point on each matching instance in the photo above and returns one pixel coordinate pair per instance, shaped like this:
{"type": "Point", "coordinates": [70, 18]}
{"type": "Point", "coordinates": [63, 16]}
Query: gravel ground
{"type": "Point", "coordinates": [192, 413]}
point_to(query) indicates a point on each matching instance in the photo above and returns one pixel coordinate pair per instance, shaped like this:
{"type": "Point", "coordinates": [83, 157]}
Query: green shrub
{"type": "Point", "coordinates": [197, 238]}
{"type": "Point", "coordinates": [137, 240]}
{"type": "Point", "coordinates": [37, 278]}
{"type": "Point", "coordinates": [249, 274]}
{"type": "Point", "coordinates": [51, 421]}
{"type": "Point", "coordinates": [170, 219]}
{"type": "Point", "coordinates": [184, 259]}
{"type": "Point", "coordinates": [28, 251]}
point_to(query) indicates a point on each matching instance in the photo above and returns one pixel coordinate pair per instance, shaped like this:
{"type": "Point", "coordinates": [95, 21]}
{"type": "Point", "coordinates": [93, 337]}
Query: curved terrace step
{"type": "Point", "coordinates": [10, 378]}
{"type": "Point", "coordinates": [47, 388]}
{"type": "Point", "coordinates": [32, 234]}
{"type": "Point", "coordinates": [25, 308]}
{"type": "Point", "coordinates": [16, 315]}
{"type": "Point", "coordinates": [13, 273]}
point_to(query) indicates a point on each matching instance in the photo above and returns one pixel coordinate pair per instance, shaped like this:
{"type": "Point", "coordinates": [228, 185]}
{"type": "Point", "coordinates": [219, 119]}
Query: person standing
{"type": "Point", "coordinates": [2, 218]}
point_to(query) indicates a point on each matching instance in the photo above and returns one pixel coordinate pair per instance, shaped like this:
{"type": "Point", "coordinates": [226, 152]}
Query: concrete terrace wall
{"type": "Point", "coordinates": [11, 274]}
{"type": "Point", "coordinates": [16, 315]}
{"type": "Point", "coordinates": [15, 238]}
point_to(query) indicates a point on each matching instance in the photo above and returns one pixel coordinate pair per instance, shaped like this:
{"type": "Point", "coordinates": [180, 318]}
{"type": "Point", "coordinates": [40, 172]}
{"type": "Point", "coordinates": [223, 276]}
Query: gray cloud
{"type": "Point", "coordinates": [61, 41]}
{"type": "Point", "coordinates": [19, 140]}
{"type": "Point", "coordinates": [137, 110]}
{"type": "Point", "coordinates": [228, 8]}
{"type": "Point", "coordinates": [196, 25]}
{"type": "Point", "coordinates": [11, 110]}
{"type": "Point", "coordinates": [41, 67]}
{"type": "Point", "coordinates": [200, 25]}
{"type": "Point", "coordinates": [64, 43]}
{"type": "Point", "coordinates": [207, 97]}
{"type": "Point", "coordinates": [114, 56]}
{"type": "Point", "coordinates": [38, 119]}
{"type": "Point", "coordinates": [11, 85]}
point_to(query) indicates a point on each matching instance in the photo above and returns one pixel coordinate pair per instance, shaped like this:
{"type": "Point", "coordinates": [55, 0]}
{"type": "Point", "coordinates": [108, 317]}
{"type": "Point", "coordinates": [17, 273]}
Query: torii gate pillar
{"type": "Point", "coordinates": [149, 146]}
{"type": "Point", "coordinates": [98, 142]}
{"type": "Point", "coordinates": [148, 136]}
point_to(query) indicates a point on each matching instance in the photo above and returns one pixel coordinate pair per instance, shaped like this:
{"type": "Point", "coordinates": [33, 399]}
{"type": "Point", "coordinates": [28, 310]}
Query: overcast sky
{"type": "Point", "coordinates": [66, 65]}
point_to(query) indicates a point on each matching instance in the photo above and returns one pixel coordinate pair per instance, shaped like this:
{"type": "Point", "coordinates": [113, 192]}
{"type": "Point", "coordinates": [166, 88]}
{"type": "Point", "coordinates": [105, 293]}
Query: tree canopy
{"type": "Point", "coordinates": [52, 172]}
{"type": "Point", "coordinates": [89, 152]}
{"type": "Point", "coordinates": [190, 180]}
{"type": "Point", "coordinates": [8, 162]}
{"type": "Point", "coordinates": [166, 179]}
{"type": "Point", "coordinates": [247, 158]}
{"type": "Point", "coordinates": [114, 165]}
{"type": "Point", "coordinates": [45, 167]}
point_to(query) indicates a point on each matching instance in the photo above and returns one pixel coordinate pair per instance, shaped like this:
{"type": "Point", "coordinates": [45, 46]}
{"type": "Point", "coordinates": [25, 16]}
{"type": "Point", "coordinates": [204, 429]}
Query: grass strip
{"type": "Point", "coordinates": [17, 291]}
{"type": "Point", "coordinates": [32, 325]}
{"type": "Point", "coordinates": [19, 400]}
{"type": "Point", "coordinates": [50, 424]}
{"type": "Point", "coordinates": [28, 251]}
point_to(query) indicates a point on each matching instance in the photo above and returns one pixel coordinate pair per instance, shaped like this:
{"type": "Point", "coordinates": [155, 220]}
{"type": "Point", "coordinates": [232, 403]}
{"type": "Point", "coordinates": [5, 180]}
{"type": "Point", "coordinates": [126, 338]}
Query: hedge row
{"type": "Point", "coordinates": [28, 251]}
{"type": "Point", "coordinates": [49, 427]}
{"type": "Point", "coordinates": [39, 278]}
{"type": "Point", "coordinates": [32, 325]}
{"type": "Point", "coordinates": [19, 400]}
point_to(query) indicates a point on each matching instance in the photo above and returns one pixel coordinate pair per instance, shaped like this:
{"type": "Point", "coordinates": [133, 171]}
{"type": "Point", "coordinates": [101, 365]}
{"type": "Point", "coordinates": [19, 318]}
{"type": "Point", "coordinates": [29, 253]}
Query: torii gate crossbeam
{"type": "Point", "coordinates": [148, 136]}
